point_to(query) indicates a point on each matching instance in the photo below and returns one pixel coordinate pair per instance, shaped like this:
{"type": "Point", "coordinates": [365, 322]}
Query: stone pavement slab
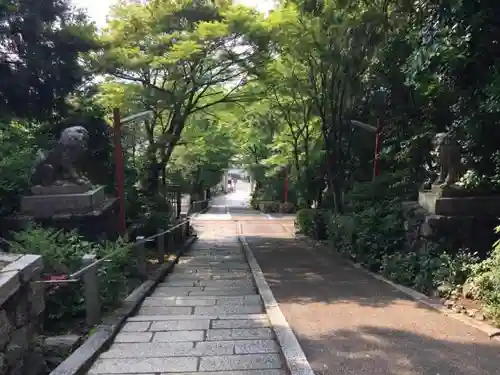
{"type": "Point", "coordinates": [205, 318]}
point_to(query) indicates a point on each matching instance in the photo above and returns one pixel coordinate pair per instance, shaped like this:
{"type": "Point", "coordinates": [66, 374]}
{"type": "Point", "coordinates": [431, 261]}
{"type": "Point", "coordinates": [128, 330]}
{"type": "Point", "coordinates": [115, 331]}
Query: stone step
{"type": "Point", "coordinates": [208, 270]}
{"type": "Point", "coordinates": [149, 318]}
{"type": "Point", "coordinates": [209, 283]}
{"type": "Point", "coordinates": [202, 301]}
{"type": "Point", "coordinates": [210, 276]}
{"type": "Point", "coordinates": [158, 333]}
{"type": "Point", "coordinates": [183, 349]}
{"type": "Point", "coordinates": [219, 252]}
{"type": "Point", "coordinates": [228, 310]}
{"type": "Point", "coordinates": [214, 258]}
{"type": "Point", "coordinates": [223, 292]}
{"type": "Point", "coordinates": [203, 290]}
{"type": "Point", "coordinates": [194, 324]}
{"type": "Point", "coordinates": [228, 363]}
{"type": "Point", "coordinates": [202, 269]}
{"type": "Point", "coordinates": [216, 265]}
{"type": "Point", "coordinates": [201, 310]}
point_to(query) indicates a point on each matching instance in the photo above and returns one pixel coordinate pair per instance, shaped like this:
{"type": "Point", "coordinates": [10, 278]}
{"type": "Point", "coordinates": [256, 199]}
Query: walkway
{"type": "Point", "coordinates": [207, 317]}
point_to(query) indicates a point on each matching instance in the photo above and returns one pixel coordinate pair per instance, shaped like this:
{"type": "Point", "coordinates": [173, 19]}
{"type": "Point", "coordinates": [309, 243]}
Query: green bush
{"type": "Point", "coordinates": [287, 208]}
{"type": "Point", "coordinates": [254, 200]}
{"type": "Point", "coordinates": [151, 213]}
{"type": "Point", "coordinates": [17, 154]}
{"type": "Point", "coordinates": [429, 268]}
{"type": "Point", "coordinates": [340, 231]}
{"type": "Point", "coordinates": [379, 230]}
{"type": "Point", "coordinates": [485, 281]}
{"type": "Point", "coordinates": [62, 253]}
{"type": "Point", "coordinates": [386, 187]}
{"type": "Point", "coordinates": [269, 206]}
{"type": "Point", "coordinates": [313, 222]}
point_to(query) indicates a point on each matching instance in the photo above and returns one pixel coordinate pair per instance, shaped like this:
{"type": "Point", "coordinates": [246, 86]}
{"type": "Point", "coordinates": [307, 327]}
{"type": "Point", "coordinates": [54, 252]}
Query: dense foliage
{"type": "Point", "coordinates": [279, 95]}
{"type": "Point", "coordinates": [62, 254]}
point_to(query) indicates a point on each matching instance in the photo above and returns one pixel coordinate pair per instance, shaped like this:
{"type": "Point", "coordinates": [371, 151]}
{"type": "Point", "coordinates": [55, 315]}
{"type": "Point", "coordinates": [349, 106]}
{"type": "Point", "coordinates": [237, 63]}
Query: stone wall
{"type": "Point", "coordinates": [22, 303]}
{"type": "Point", "coordinates": [476, 233]}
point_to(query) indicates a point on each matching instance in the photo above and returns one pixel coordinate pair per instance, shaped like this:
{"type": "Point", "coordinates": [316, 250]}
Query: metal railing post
{"type": "Point", "coordinates": [140, 252]}
{"type": "Point", "coordinates": [161, 246]}
{"type": "Point", "coordinates": [168, 241]}
{"type": "Point", "coordinates": [91, 291]}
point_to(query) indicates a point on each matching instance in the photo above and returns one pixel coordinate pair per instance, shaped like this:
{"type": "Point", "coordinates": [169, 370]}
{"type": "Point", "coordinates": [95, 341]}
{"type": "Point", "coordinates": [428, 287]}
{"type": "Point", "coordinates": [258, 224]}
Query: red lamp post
{"type": "Point", "coordinates": [119, 165]}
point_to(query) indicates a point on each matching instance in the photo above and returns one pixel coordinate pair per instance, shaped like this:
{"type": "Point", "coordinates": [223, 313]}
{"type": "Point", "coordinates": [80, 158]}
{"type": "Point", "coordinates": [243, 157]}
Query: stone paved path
{"type": "Point", "coordinates": [207, 317]}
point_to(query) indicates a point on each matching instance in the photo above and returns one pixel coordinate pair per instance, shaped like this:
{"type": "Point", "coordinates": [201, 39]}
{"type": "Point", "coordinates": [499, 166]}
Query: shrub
{"type": "Point", "coordinates": [340, 230]}
{"type": "Point", "coordinates": [386, 187]}
{"type": "Point", "coordinates": [269, 206]}
{"type": "Point", "coordinates": [379, 230]}
{"type": "Point", "coordinates": [62, 253]}
{"type": "Point", "coordinates": [287, 208]}
{"type": "Point", "coordinates": [313, 222]}
{"type": "Point", "coordinates": [17, 154]}
{"type": "Point", "coordinates": [485, 280]}
{"type": "Point", "coordinates": [150, 212]}
{"type": "Point", "coordinates": [254, 201]}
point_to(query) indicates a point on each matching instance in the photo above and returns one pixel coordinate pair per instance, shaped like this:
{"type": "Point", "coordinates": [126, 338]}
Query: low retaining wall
{"type": "Point", "coordinates": [22, 303]}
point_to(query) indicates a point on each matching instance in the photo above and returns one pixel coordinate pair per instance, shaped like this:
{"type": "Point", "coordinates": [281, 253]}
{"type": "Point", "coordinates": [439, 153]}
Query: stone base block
{"type": "Point", "coordinates": [61, 189]}
{"type": "Point", "coordinates": [436, 204]}
{"type": "Point", "coordinates": [93, 226]}
{"type": "Point", "coordinates": [54, 204]}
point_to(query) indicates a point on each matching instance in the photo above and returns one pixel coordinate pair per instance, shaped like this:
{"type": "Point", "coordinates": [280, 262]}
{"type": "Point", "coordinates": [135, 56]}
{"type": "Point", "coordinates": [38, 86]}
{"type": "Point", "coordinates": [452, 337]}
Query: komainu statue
{"type": "Point", "coordinates": [448, 158]}
{"type": "Point", "coordinates": [57, 166]}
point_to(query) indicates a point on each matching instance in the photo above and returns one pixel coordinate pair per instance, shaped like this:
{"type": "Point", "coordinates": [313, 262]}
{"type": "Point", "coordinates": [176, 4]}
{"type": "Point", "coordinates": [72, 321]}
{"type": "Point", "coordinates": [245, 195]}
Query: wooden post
{"type": "Point", "coordinates": [161, 247]}
{"type": "Point", "coordinates": [120, 173]}
{"type": "Point", "coordinates": [91, 291]}
{"type": "Point", "coordinates": [140, 252]}
{"type": "Point", "coordinates": [376, 158]}
{"type": "Point", "coordinates": [168, 242]}
{"type": "Point", "coordinates": [286, 185]}
{"type": "Point", "coordinates": [179, 203]}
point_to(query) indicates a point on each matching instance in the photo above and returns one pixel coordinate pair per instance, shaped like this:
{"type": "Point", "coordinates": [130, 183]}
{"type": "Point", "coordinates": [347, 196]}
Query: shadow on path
{"type": "Point", "coordinates": [350, 323]}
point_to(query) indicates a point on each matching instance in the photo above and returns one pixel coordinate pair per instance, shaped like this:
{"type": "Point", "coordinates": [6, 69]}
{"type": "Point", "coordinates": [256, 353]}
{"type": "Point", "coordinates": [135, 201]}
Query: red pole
{"type": "Point", "coordinates": [286, 185]}
{"type": "Point", "coordinates": [120, 173]}
{"type": "Point", "coordinates": [376, 159]}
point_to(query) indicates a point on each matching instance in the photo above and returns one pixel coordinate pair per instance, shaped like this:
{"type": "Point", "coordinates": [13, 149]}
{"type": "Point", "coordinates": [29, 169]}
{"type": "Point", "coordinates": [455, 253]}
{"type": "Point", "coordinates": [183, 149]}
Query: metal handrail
{"type": "Point", "coordinates": [75, 276]}
{"type": "Point", "coordinates": [89, 276]}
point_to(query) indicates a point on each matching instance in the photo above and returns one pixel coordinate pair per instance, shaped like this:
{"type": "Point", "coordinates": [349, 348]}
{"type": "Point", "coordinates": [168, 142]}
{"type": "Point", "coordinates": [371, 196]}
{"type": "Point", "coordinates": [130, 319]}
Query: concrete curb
{"type": "Point", "coordinates": [295, 358]}
{"type": "Point", "coordinates": [486, 328]}
{"type": "Point", "coordinates": [103, 334]}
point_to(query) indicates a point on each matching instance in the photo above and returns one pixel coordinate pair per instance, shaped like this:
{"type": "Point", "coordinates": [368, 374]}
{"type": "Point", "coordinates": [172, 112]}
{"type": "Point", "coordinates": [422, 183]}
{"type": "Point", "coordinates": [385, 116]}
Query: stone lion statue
{"type": "Point", "coordinates": [448, 157]}
{"type": "Point", "coordinates": [57, 166]}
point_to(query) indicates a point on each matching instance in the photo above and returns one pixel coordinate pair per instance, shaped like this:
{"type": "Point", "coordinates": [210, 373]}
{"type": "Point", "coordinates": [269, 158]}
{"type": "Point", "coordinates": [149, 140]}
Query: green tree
{"type": "Point", "coordinates": [42, 44]}
{"type": "Point", "coordinates": [186, 57]}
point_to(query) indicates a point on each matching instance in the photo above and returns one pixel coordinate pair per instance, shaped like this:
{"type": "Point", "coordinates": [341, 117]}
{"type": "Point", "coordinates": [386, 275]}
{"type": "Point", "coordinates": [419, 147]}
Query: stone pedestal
{"type": "Point", "coordinates": [461, 220]}
{"type": "Point", "coordinates": [67, 207]}
{"type": "Point", "coordinates": [48, 205]}
{"type": "Point", "coordinates": [438, 202]}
